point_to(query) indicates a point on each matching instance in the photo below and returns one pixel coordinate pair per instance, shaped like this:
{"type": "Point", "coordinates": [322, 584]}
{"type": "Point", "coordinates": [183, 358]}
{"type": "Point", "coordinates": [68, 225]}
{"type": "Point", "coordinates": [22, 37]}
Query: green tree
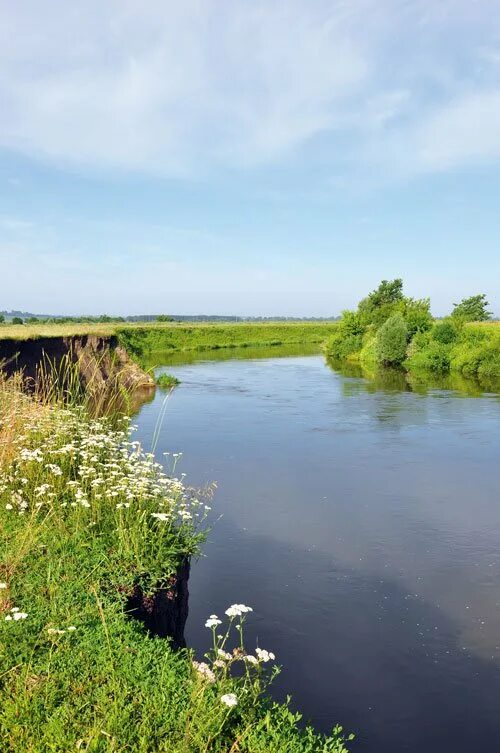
{"type": "Point", "coordinates": [164, 318]}
{"type": "Point", "coordinates": [391, 343]}
{"type": "Point", "coordinates": [473, 309]}
{"type": "Point", "coordinates": [17, 320]}
{"type": "Point", "coordinates": [382, 303]}
{"type": "Point", "coordinates": [417, 314]}
{"type": "Point", "coordinates": [2, 318]}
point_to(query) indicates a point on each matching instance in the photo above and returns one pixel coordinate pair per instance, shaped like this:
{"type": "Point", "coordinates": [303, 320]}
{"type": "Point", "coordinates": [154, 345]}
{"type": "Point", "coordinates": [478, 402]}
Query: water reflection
{"type": "Point", "coordinates": [421, 382]}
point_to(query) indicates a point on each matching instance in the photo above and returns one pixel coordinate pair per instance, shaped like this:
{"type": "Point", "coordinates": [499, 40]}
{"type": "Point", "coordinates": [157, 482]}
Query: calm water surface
{"type": "Point", "coordinates": [362, 523]}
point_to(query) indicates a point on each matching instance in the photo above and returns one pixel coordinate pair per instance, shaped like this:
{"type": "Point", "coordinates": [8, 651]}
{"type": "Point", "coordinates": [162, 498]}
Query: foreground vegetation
{"type": "Point", "coordinates": [390, 329]}
{"type": "Point", "coordinates": [87, 518]}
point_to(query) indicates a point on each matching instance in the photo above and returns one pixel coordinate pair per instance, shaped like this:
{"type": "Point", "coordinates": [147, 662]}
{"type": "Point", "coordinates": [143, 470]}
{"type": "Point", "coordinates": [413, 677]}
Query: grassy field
{"type": "Point", "coordinates": [162, 336]}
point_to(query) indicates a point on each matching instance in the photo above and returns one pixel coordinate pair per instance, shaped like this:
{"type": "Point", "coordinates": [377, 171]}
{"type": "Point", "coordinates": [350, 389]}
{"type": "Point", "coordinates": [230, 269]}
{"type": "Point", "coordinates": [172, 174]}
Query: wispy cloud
{"type": "Point", "coordinates": [183, 88]}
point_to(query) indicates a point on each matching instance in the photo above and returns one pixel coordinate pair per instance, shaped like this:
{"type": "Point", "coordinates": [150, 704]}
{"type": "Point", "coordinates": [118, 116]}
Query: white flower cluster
{"type": "Point", "coordinates": [237, 610]}
{"type": "Point", "coordinates": [229, 699]}
{"type": "Point", "coordinates": [204, 671]}
{"type": "Point", "coordinates": [220, 661]}
{"type": "Point", "coordinates": [263, 655]}
{"type": "Point", "coordinates": [61, 631]}
{"type": "Point", "coordinates": [69, 462]}
{"type": "Point", "coordinates": [213, 621]}
{"type": "Point", "coordinates": [15, 614]}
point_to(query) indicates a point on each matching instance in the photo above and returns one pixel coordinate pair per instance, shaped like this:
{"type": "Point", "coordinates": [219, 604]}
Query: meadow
{"type": "Point", "coordinates": [178, 335]}
{"type": "Point", "coordinates": [88, 519]}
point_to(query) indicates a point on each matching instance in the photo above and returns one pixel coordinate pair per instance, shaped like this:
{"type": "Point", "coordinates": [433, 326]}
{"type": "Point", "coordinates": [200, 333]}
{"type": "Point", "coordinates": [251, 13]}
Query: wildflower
{"type": "Point", "coordinates": [9, 507]}
{"type": "Point", "coordinates": [250, 659]}
{"type": "Point", "coordinates": [223, 654]}
{"type": "Point", "coordinates": [213, 621]}
{"type": "Point", "coordinates": [204, 671]}
{"type": "Point", "coordinates": [230, 699]}
{"type": "Point", "coordinates": [160, 516]}
{"type": "Point", "coordinates": [263, 655]}
{"type": "Point", "coordinates": [3, 585]}
{"type": "Point", "coordinates": [55, 631]}
{"type": "Point", "coordinates": [16, 614]}
{"type": "Point", "coordinates": [71, 629]}
{"type": "Point", "coordinates": [237, 610]}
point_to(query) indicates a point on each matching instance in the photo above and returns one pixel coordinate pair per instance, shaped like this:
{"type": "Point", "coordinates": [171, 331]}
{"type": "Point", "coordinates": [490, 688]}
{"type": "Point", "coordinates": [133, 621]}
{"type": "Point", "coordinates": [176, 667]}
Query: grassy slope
{"type": "Point", "coordinates": [142, 340]}
{"type": "Point", "coordinates": [76, 533]}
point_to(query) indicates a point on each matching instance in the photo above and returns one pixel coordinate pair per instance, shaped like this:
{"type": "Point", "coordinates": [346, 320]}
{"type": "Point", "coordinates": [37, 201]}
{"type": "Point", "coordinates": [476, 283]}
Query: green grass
{"type": "Point", "coordinates": [180, 335]}
{"type": "Point", "coordinates": [141, 341]}
{"type": "Point", "coordinates": [167, 381]}
{"type": "Point", "coordinates": [86, 517]}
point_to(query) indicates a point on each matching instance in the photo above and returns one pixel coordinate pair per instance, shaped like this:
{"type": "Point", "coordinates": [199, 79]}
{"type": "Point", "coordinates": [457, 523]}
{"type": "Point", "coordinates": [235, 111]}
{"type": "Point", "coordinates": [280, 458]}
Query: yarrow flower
{"type": "Point", "coordinates": [229, 699]}
{"type": "Point", "coordinates": [264, 656]}
{"type": "Point", "coordinates": [204, 671]}
{"type": "Point", "coordinates": [3, 585]}
{"type": "Point", "coordinates": [15, 614]}
{"type": "Point", "coordinates": [213, 621]}
{"type": "Point", "coordinates": [160, 516]}
{"type": "Point", "coordinates": [237, 610]}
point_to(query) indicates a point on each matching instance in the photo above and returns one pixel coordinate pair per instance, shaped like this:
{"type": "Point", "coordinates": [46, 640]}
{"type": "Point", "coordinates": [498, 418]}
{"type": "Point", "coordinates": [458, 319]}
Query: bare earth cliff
{"type": "Point", "coordinates": [101, 361]}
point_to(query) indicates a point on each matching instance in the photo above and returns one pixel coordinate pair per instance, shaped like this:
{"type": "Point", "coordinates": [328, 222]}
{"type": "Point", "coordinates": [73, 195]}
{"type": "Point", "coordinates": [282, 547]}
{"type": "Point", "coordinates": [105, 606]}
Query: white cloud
{"type": "Point", "coordinates": [182, 88]}
{"type": "Point", "coordinates": [464, 131]}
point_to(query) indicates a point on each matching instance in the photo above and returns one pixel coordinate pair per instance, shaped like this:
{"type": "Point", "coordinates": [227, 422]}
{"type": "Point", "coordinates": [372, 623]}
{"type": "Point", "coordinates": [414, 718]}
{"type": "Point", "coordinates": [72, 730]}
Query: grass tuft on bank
{"type": "Point", "coordinates": [86, 518]}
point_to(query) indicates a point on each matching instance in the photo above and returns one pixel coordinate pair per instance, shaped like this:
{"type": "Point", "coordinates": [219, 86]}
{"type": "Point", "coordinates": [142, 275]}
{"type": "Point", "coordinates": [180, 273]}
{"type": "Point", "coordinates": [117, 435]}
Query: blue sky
{"type": "Point", "coordinates": [247, 157]}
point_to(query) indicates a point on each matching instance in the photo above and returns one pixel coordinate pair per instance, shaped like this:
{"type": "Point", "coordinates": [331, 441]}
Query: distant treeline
{"type": "Point", "coordinates": [21, 317]}
{"type": "Point", "coordinates": [391, 329]}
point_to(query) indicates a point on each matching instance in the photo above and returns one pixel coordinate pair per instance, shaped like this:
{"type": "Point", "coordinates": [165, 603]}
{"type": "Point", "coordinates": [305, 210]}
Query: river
{"type": "Point", "coordinates": [360, 518]}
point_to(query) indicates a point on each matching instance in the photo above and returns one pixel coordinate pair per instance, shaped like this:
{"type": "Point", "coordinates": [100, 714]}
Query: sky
{"type": "Point", "coordinates": [247, 157]}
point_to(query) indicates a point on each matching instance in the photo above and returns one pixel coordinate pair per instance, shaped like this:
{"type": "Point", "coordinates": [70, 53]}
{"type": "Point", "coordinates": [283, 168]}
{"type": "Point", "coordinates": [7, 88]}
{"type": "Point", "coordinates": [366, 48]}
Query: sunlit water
{"type": "Point", "coordinates": [362, 523]}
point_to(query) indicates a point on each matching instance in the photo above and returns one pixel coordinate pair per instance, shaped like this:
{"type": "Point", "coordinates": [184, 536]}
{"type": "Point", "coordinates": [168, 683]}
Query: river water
{"type": "Point", "coordinates": [360, 518]}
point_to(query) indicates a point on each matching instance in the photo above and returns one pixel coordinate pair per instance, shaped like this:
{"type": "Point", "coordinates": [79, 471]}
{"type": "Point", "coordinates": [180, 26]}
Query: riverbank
{"type": "Point", "coordinates": [95, 543]}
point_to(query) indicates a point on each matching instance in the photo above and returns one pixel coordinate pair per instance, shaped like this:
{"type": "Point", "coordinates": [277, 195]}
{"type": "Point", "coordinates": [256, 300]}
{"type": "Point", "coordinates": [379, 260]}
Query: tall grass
{"type": "Point", "coordinates": [80, 381]}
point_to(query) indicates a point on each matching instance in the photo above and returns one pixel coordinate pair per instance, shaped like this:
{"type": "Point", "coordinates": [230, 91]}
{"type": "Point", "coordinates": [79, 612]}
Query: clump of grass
{"type": "Point", "coordinates": [167, 381]}
{"type": "Point", "coordinates": [85, 517]}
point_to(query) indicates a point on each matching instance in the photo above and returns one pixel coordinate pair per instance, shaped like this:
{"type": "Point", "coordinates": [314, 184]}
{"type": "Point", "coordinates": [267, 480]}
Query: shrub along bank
{"type": "Point", "coordinates": [88, 521]}
{"type": "Point", "coordinates": [390, 329]}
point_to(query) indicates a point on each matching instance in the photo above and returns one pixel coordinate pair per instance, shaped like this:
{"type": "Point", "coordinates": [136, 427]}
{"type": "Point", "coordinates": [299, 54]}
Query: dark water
{"type": "Point", "coordinates": [361, 520]}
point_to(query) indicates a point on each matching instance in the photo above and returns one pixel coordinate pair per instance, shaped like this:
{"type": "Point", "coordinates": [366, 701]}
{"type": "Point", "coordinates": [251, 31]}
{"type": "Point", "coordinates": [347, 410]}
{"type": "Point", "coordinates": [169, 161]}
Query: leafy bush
{"type": "Point", "coordinates": [446, 332]}
{"type": "Point", "coordinates": [417, 314]}
{"type": "Point", "coordinates": [434, 356]}
{"type": "Point", "coordinates": [392, 341]}
{"type": "Point", "coordinates": [341, 347]}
